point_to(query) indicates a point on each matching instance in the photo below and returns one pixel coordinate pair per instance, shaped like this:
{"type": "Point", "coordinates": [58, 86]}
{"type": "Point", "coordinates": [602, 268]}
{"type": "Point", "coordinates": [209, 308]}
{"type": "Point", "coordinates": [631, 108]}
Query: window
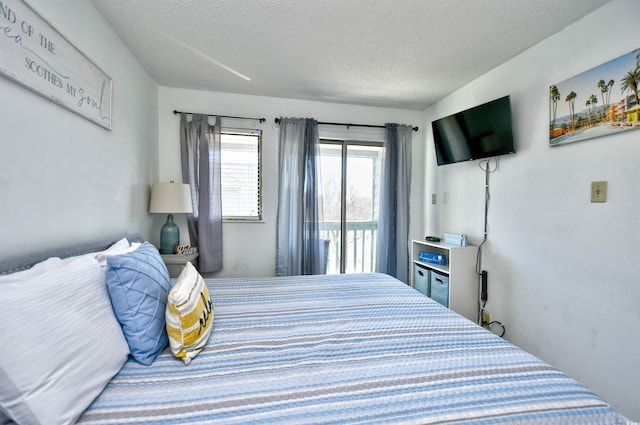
{"type": "Point", "coordinates": [240, 170]}
{"type": "Point", "coordinates": [350, 184]}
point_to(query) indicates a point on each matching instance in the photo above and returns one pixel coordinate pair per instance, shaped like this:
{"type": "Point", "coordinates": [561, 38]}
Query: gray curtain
{"type": "Point", "coordinates": [200, 152]}
{"type": "Point", "coordinates": [392, 255]}
{"type": "Point", "coordinates": [299, 249]}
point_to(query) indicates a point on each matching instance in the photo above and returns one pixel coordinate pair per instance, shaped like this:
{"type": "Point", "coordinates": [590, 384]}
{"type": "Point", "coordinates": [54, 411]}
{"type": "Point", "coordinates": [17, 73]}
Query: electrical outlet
{"type": "Point", "coordinates": [433, 198]}
{"type": "Point", "coordinates": [599, 191]}
{"type": "Point", "coordinates": [486, 318]}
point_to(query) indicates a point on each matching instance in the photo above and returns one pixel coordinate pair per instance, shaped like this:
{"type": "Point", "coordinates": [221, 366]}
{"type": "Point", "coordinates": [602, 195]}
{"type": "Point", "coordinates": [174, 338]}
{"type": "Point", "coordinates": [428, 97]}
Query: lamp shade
{"type": "Point", "coordinates": [170, 198]}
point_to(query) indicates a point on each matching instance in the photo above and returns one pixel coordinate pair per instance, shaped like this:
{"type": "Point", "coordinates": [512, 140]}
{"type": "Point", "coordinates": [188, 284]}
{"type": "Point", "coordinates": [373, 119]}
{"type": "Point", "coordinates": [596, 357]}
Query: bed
{"type": "Point", "coordinates": [346, 349]}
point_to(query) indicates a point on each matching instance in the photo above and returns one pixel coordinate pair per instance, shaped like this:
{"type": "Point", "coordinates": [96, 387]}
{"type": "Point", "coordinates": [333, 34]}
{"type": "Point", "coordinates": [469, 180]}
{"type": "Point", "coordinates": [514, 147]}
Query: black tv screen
{"type": "Point", "coordinates": [480, 132]}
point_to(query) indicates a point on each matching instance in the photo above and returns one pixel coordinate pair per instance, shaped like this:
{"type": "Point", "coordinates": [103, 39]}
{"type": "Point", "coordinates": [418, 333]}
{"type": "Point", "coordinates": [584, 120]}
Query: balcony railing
{"type": "Point", "coordinates": [360, 248]}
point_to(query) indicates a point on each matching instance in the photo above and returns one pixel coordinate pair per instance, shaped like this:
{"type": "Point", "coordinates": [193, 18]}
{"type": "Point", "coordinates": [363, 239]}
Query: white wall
{"type": "Point", "coordinates": [249, 248]}
{"type": "Point", "coordinates": [64, 179]}
{"type": "Point", "coordinates": [563, 272]}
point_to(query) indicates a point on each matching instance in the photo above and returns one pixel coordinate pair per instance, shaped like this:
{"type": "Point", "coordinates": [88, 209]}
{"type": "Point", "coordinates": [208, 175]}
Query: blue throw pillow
{"type": "Point", "coordinates": [139, 285]}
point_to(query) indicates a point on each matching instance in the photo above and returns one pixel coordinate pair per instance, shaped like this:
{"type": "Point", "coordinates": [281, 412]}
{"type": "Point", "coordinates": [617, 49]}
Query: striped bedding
{"type": "Point", "coordinates": [346, 349]}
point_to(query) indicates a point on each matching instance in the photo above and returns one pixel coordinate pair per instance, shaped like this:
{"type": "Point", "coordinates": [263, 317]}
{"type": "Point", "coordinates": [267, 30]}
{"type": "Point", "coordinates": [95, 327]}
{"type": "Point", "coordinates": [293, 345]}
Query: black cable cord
{"type": "Point", "coordinates": [487, 199]}
{"type": "Point", "coordinates": [493, 322]}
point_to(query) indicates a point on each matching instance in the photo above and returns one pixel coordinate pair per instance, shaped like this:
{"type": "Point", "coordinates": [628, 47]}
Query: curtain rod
{"type": "Point", "coordinates": [351, 125]}
{"type": "Point", "coordinates": [223, 116]}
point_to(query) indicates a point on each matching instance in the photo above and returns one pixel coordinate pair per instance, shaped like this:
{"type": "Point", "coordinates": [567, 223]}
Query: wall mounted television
{"type": "Point", "coordinates": [483, 131]}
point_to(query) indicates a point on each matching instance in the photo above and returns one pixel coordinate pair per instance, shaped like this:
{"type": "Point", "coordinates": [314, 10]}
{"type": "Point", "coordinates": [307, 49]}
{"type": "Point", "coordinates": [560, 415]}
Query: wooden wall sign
{"type": "Point", "coordinates": [37, 56]}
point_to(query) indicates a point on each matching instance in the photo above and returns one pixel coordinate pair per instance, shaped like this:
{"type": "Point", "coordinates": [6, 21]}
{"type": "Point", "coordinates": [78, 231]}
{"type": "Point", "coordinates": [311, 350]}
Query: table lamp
{"type": "Point", "coordinates": [171, 198]}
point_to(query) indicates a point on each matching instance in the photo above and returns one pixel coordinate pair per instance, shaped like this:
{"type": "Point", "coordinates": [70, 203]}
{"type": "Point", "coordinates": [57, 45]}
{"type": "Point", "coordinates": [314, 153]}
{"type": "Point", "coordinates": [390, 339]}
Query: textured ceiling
{"type": "Point", "coordinates": [401, 54]}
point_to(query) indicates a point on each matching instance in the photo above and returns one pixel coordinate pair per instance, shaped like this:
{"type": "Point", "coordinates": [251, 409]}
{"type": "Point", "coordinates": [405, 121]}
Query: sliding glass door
{"type": "Point", "coordinates": [350, 184]}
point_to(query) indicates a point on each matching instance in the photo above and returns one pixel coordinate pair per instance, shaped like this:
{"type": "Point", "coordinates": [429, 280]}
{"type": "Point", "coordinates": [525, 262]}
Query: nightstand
{"type": "Point", "coordinates": [175, 262]}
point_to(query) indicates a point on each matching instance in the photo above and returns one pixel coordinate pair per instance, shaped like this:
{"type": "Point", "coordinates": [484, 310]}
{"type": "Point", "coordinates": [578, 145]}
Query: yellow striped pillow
{"type": "Point", "coordinates": [189, 315]}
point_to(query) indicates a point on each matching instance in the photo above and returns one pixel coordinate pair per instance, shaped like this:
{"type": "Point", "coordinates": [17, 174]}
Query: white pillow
{"type": "Point", "coordinates": [61, 343]}
{"type": "Point", "coordinates": [35, 270]}
{"type": "Point", "coordinates": [120, 247]}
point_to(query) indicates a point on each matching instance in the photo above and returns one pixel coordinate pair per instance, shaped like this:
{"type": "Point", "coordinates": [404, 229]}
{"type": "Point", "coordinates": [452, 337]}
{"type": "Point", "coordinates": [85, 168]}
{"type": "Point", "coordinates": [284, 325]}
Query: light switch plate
{"type": "Point", "coordinates": [599, 191]}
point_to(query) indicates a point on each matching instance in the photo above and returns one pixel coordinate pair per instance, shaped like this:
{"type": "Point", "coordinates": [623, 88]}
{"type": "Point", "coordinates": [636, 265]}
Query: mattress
{"type": "Point", "coordinates": [346, 349]}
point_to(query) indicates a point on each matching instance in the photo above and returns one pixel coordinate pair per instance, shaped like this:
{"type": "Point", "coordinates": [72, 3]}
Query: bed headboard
{"type": "Point", "coordinates": [23, 262]}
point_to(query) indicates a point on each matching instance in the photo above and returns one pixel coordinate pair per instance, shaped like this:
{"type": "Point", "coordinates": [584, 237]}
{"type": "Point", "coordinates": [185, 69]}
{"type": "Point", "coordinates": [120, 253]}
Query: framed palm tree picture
{"type": "Point", "coordinates": [598, 102]}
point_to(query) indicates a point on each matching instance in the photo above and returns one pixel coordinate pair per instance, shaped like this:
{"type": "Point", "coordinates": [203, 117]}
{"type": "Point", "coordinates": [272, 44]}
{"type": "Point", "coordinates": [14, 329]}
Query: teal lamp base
{"type": "Point", "coordinates": [169, 236]}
